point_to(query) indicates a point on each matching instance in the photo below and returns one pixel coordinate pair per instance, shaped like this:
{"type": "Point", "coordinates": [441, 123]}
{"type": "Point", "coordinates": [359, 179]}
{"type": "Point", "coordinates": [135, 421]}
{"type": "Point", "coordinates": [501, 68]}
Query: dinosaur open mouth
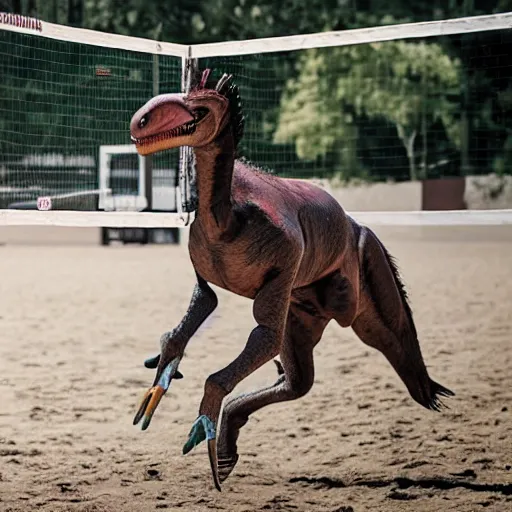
{"type": "Point", "coordinates": [178, 131]}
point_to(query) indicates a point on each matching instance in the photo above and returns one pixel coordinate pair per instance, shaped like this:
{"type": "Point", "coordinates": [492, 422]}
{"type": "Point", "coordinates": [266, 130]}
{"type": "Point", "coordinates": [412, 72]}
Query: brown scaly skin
{"type": "Point", "coordinates": [290, 247]}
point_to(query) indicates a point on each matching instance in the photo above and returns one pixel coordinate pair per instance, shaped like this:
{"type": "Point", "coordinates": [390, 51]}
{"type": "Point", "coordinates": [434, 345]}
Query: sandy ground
{"type": "Point", "coordinates": [77, 321]}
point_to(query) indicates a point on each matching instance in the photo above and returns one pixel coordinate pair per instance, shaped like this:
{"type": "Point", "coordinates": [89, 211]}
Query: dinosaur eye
{"type": "Point", "coordinates": [143, 121]}
{"type": "Point", "coordinates": [199, 113]}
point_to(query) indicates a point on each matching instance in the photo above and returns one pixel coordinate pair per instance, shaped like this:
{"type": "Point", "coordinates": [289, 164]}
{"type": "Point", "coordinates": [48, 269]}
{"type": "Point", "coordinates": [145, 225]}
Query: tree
{"type": "Point", "coordinates": [407, 84]}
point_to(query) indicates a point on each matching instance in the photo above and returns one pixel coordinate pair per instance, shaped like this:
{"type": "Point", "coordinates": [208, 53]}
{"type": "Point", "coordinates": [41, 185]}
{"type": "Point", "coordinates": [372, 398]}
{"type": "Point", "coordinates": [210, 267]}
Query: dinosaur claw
{"type": "Point", "coordinates": [148, 406]}
{"type": "Point", "coordinates": [142, 407]}
{"type": "Point", "coordinates": [280, 369]}
{"type": "Point", "coordinates": [212, 455]}
{"type": "Point", "coordinates": [152, 362]}
{"type": "Point", "coordinates": [225, 466]}
{"type": "Point", "coordinates": [204, 428]}
{"type": "Point", "coordinates": [152, 397]}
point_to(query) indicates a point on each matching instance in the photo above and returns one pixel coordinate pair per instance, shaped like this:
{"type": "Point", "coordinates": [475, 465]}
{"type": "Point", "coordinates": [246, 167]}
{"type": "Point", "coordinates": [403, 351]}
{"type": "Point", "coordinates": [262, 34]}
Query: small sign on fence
{"type": "Point", "coordinates": [44, 203]}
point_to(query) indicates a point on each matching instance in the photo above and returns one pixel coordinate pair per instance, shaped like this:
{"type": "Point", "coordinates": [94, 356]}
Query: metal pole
{"type": "Point", "coordinates": [148, 160]}
{"type": "Point", "coordinates": [187, 174]}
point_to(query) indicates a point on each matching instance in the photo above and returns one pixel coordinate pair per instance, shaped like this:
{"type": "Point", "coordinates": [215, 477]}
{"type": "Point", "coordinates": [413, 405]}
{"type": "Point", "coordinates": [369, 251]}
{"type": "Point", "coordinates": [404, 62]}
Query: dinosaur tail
{"type": "Point", "coordinates": [386, 321]}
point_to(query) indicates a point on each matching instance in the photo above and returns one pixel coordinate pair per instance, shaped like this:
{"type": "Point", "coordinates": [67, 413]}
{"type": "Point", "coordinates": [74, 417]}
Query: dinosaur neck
{"type": "Point", "coordinates": [214, 168]}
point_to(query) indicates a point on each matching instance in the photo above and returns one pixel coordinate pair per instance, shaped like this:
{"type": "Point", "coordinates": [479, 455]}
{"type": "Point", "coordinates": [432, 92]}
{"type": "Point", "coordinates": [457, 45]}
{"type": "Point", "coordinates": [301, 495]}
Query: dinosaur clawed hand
{"type": "Point", "coordinates": [204, 428]}
{"type": "Point", "coordinates": [153, 396]}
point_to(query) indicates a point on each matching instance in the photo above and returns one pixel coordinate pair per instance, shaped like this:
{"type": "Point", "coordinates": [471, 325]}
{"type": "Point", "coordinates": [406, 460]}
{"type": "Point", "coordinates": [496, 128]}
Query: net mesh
{"type": "Point", "coordinates": [395, 110]}
{"type": "Point", "coordinates": [399, 110]}
{"type": "Point", "coordinates": [59, 102]}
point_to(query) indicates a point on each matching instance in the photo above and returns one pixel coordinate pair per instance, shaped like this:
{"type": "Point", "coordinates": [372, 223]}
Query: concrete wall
{"type": "Point", "coordinates": [481, 193]}
{"type": "Point", "coordinates": [378, 196]}
{"type": "Point", "coordinates": [488, 192]}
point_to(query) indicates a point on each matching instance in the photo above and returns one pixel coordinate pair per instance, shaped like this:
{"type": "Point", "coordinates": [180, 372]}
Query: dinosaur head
{"type": "Point", "coordinates": [196, 119]}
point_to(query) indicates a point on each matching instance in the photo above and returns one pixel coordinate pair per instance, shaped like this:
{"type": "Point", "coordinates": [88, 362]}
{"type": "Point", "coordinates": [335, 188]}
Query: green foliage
{"type": "Point", "coordinates": [406, 84]}
{"type": "Point", "coordinates": [503, 162]}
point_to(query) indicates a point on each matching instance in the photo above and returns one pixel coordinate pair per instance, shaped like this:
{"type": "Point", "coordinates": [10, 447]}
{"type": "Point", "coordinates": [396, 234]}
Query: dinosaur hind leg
{"type": "Point", "coordinates": [406, 360]}
{"type": "Point", "coordinates": [296, 375]}
{"type": "Point", "coordinates": [385, 323]}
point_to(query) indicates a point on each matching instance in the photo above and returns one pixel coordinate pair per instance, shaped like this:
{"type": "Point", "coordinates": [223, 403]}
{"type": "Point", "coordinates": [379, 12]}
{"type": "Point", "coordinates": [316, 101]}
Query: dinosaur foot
{"type": "Point", "coordinates": [226, 465]}
{"type": "Point", "coordinates": [152, 397]}
{"type": "Point", "coordinates": [204, 428]}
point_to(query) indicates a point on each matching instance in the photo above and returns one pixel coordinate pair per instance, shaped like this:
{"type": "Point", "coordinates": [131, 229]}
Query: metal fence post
{"type": "Point", "coordinates": [148, 160]}
{"type": "Point", "coordinates": [187, 174]}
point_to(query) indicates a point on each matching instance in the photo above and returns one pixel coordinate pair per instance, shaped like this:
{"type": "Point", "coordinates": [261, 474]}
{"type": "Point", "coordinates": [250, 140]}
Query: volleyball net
{"type": "Point", "coordinates": [414, 102]}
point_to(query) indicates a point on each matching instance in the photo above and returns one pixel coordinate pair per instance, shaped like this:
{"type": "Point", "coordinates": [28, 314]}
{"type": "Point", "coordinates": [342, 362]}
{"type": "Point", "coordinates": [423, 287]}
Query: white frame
{"type": "Point", "coordinates": [105, 156]}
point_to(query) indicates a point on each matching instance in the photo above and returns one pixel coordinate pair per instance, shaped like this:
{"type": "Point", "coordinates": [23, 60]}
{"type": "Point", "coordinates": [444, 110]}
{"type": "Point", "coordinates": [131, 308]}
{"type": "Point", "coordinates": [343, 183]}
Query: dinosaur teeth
{"type": "Point", "coordinates": [178, 131]}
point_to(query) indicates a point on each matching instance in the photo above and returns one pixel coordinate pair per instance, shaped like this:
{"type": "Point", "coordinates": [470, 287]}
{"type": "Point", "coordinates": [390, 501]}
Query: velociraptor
{"type": "Point", "coordinates": [288, 245]}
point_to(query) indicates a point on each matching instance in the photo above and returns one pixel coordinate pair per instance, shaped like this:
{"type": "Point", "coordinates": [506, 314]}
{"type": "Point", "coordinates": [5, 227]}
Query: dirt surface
{"type": "Point", "coordinates": [76, 323]}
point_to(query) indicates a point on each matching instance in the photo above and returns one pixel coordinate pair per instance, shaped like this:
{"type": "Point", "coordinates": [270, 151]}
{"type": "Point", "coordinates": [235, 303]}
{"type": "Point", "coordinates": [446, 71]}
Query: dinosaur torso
{"type": "Point", "coordinates": [263, 206]}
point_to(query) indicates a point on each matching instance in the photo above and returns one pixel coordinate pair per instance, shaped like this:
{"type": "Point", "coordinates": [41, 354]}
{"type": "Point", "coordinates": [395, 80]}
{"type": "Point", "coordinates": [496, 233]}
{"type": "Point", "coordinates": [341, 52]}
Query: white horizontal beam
{"type": "Point", "coordinates": [81, 219]}
{"type": "Point", "coordinates": [357, 36]}
{"type": "Point", "coordinates": [169, 220]}
{"type": "Point", "coordinates": [96, 38]}
{"type": "Point", "coordinates": [466, 25]}
{"type": "Point", "coordinates": [436, 218]}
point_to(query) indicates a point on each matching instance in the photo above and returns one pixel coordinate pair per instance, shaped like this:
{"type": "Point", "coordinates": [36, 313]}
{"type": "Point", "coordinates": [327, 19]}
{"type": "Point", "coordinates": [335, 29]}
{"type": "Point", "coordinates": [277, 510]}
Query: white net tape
{"type": "Point", "coordinates": [165, 220]}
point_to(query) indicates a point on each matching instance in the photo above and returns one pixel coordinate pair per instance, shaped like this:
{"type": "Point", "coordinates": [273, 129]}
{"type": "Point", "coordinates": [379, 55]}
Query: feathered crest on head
{"type": "Point", "coordinates": [204, 79]}
{"type": "Point", "coordinates": [224, 86]}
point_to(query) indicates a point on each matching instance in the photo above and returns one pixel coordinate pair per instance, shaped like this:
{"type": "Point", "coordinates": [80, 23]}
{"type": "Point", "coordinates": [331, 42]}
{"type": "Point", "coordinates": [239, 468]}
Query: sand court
{"type": "Point", "coordinates": [77, 321]}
